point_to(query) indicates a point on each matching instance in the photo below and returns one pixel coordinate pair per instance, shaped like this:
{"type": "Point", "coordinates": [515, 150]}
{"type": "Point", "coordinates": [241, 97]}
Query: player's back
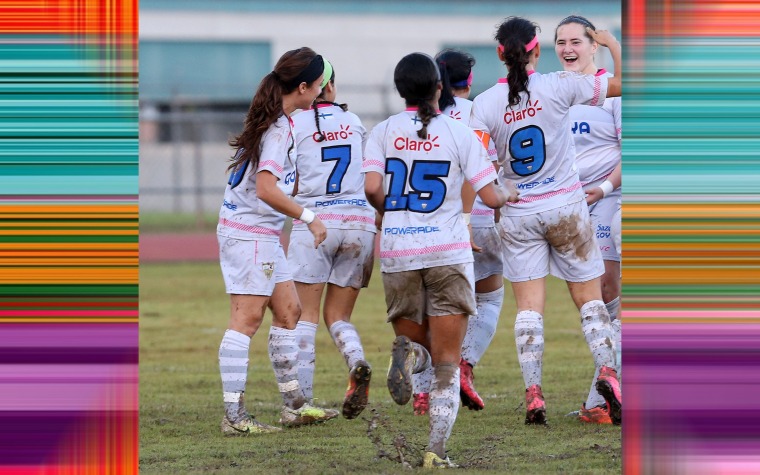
{"type": "Point", "coordinates": [533, 139]}
{"type": "Point", "coordinates": [329, 170]}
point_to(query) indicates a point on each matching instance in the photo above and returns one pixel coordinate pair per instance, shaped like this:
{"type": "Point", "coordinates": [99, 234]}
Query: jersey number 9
{"type": "Point", "coordinates": [528, 150]}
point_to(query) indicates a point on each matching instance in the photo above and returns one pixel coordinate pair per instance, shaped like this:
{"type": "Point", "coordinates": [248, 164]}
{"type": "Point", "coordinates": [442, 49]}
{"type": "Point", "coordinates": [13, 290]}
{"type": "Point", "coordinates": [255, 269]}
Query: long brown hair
{"type": "Point", "coordinates": [513, 35]}
{"type": "Point", "coordinates": [266, 106]}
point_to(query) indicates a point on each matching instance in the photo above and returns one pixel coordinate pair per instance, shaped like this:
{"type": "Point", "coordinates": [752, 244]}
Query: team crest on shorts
{"type": "Point", "coordinates": [268, 268]}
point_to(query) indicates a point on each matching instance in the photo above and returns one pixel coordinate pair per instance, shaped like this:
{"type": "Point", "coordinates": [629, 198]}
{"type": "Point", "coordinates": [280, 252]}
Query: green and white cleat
{"type": "Point", "coordinates": [432, 460]}
{"type": "Point", "coordinates": [306, 414]}
{"type": "Point", "coordinates": [245, 426]}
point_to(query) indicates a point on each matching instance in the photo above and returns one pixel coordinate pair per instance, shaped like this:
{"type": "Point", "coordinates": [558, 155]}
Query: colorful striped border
{"type": "Point", "coordinates": [68, 237]}
{"type": "Point", "coordinates": [691, 222]}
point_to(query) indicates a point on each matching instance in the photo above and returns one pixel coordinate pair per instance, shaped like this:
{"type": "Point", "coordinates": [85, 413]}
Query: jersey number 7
{"type": "Point", "coordinates": [341, 155]}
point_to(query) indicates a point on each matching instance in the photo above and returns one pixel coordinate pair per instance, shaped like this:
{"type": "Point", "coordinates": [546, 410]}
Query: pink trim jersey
{"type": "Point", "coordinates": [533, 140]}
{"type": "Point", "coordinates": [597, 132]}
{"type": "Point", "coordinates": [330, 181]}
{"type": "Point", "coordinates": [482, 216]}
{"type": "Point", "coordinates": [243, 215]}
{"type": "Point", "coordinates": [423, 225]}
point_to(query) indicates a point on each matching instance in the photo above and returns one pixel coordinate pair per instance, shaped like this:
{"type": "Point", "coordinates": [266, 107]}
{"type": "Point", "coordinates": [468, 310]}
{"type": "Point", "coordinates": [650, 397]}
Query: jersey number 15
{"type": "Point", "coordinates": [428, 191]}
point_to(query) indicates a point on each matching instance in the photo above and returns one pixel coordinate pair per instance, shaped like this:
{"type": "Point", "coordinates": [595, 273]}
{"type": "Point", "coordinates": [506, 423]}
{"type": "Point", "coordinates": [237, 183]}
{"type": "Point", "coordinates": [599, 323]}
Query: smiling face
{"type": "Point", "coordinates": [575, 49]}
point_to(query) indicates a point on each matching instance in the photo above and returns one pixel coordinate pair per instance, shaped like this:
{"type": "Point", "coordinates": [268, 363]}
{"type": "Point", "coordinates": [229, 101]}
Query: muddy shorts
{"type": "Point", "coordinates": [252, 267]}
{"type": "Point", "coordinates": [559, 240]}
{"type": "Point", "coordinates": [435, 291]}
{"type": "Point", "coordinates": [488, 261]}
{"type": "Point", "coordinates": [344, 259]}
{"type": "Point", "coordinates": [603, 215]}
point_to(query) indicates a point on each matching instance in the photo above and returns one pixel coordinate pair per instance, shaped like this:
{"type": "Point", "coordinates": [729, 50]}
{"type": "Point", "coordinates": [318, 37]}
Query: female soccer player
{"type": "Point", "coordinates": [456, 72]}
{"type": "Point", "coordinates": [254, 267]}
{"type": "Point", "coordinates": [422, 158]}
{"type": "Point", "coordinates": [330, 141]}
{"type": "Point", "coordinates": [527, 116]}
{"type": "Point", "coordinates": [597, 135]}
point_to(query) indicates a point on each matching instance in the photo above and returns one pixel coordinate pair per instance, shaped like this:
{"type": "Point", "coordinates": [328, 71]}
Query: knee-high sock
{"type": "Point", "coordinates": [422, 382]}
{"type": "Point", "coordinates": [347, 340]}
{"type": "Point", "coordinates": [444, 405]}
{"type": "Point", "coordinates": [283, 353]}
{"type": "Point", "coordinates": [613, 307]}
{"type": "Point", "coordinates": [306, 333]}
{"type": "Point", "coordinates": [233, 366]}
{"type": "Point", "coordinates": [595, 323]}
{"type": "Point", "coordinates": [422, 358]}
{"type": "Point", "coordinates": [529, 338]}
{"type": "Point", "coordinates": [482, 327]}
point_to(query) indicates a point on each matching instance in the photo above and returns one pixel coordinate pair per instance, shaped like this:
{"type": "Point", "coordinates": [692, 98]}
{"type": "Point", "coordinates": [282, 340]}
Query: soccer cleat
{"type": "Point", "coordinates": [608, 386]}
{"type": "Point", "coordinates": [534, 401]}
{"type": "Point", "coordinates": [595, 415]}
{"type": "Point", "coordinates": [246, 425]}
{"type": "Point", "coordinates": [431, 460]}
{"type": "Point", "coordinates": [306, 414]}
{"type": "Point", "coordinates": [357, 393]}
{"type": "Point", "coordinates": [467, 393]}
{"type": "Point", "coordinates": [421, 404]}
{"type": "Point", "coordinates": [400, 370]}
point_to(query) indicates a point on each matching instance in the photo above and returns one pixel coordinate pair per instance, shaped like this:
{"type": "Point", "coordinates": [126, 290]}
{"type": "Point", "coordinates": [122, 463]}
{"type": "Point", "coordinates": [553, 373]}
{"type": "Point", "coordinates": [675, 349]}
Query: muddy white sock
{"type": "Point", "coordinates": [306, 334]}
{"type": "Point", "coordinates": [233, 366]}
{"type": "Point", "coordinates": [444, 405]}
{"type": "Point", "coordinates": [529, 338]}
{"type": "Point", "coordinates": [348, 342]}
{"type": "Point", "coordinates": [283, 353]}
{"type": "Point", "coordinates": [482, 327]}
{"type": "Point", "coordinates": [423, 381]}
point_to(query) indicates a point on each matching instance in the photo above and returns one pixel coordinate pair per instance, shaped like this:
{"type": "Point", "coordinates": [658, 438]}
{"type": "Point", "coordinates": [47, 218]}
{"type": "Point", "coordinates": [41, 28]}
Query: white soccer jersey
{"type": "Point", "coordinates": [423, 225]}
{"type": "Point", "coordinates": [597, 132]}
{"type": "Point", "coordinates": [533, 140]}
{"type": "Point", "coordinates": [243, 215]}
{"type": "Point", "coordinates": [330, 181]}
{"type": "Point", "coordinates": [482, 216]}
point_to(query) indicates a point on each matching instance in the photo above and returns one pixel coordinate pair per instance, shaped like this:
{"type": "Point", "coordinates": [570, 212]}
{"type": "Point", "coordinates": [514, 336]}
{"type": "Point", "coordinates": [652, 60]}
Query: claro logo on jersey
{"type": "Point", "coordinates": [341, 134]}
{"type": "Point", "coordinates": [516, 116]}
{"type": "Point", "coordinates": [405, 143]}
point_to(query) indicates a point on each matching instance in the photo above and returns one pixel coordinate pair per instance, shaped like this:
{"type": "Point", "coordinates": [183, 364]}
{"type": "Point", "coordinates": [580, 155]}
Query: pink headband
{"type": "Point", "coordinates": [532, 44]}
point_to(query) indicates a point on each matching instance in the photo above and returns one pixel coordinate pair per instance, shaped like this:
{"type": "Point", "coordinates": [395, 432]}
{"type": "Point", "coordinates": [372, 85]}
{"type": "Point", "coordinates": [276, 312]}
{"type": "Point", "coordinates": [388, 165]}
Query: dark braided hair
{"type": "Point", "coordinates": [266, 105]}
{"type": "Point", "coordinates": [513, 35]}
{"type": "Point", "coordinates": [455, 66]}
{"type": "Point", "coordinates": [583, 21]}
{"type": "Point", "coordinates": [320, 135]}
{"type": "Point", "coordinates": [416, 78]}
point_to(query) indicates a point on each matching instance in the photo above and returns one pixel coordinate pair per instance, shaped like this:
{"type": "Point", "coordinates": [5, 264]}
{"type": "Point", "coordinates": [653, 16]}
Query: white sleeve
{"type": "Point", "coordinates": [373, 159]}
{"type": "Point", "coordinates": [274, 150]}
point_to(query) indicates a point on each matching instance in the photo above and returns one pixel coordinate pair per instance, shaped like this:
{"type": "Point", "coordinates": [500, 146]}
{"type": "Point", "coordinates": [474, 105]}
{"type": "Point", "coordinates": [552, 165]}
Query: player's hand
{"type": "Point", "coordinates": [475, 247]}
{"type": "Point", "coordinates": [593, 195]}
{"type": "Point", "coordinates": [378, 221]}
{"type": "Point", "coordinates": [603, 37]}
{"type": "Point", "coordinates": [318, 230]}
{"type": "Point", "coordinates": [513, 195]}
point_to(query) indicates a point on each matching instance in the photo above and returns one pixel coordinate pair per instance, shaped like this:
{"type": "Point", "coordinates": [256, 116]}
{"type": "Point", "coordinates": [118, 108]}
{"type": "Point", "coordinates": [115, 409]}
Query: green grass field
{"type": "Point", "coordinates": [183, 315]}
